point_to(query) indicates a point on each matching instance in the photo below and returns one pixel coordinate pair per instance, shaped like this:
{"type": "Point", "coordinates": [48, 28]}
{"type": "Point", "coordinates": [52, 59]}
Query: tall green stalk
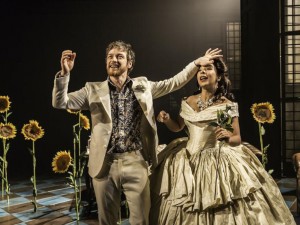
{"type": "Point", "coordinates": [34, 177]}
{"type": "Point", "coordinates": [4, 180]}
{"type": "Point", "coordinates": [79, 157]}
{"type": "Point", "coordinates": [5, 164]}
{"type": "Point", "coordinates": [75, 174]}
{"type": "Point", "coordinates": [3, 167]}
{"type": "Point", "coordinates": [263, 150]}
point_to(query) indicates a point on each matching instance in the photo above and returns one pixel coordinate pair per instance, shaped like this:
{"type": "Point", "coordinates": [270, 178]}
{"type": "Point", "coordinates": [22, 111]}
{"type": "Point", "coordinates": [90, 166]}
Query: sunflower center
{"type": "Point", "coordinates": [263, 113]}
{"type": "Point", "coordinates": [63, 162]}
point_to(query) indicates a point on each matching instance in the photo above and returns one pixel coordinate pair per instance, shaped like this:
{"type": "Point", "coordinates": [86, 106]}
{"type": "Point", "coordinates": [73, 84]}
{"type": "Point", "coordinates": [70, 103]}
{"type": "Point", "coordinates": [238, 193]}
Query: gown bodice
{"type": "Point", "coordinates": [201, 134]}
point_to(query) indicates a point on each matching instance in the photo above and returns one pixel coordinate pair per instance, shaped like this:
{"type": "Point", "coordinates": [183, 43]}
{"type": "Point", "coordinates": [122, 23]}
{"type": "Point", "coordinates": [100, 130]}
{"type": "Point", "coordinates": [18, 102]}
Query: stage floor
{"type": "Point", "coordinates": [55, 203]}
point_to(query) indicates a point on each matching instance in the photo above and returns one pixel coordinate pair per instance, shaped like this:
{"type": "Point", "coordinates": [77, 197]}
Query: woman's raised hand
{"type": "Point", "coordinates": [163, 116]}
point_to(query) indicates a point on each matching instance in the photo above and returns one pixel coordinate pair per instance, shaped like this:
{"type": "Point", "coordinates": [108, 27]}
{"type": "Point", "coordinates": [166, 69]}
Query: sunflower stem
{"type": "Point", "coordinates": [79, 158]}
{"type": "Point", "coordinates": [5, 120]}
{"type": "Point", "coordinates": [34, 176]}
{"type": "Point", "coordinates": [262, 146]}
{"type": "Point", "coordinates": [4, 180]}
{"type": "Point", "coordinates": [75, 174]}
{"type": "Point", "coordinates": [4, 160]}
{"type": "Point", "coordinates": [5, 146]}
{"type": "Point", "coordinates": [3, 169]}
{"type": "Point", "coordinates": [76, 197]}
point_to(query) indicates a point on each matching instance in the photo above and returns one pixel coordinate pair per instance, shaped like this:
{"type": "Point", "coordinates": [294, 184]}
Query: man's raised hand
{"type": "Point", "coordinates": [67, 61]}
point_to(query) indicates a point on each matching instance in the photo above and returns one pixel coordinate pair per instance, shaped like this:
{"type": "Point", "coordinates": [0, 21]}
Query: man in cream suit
{"type": "Point", "coordinates": [124, 133]}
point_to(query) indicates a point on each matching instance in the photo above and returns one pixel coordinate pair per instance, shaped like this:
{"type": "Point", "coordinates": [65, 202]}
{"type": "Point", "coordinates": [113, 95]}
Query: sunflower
{"type": "Point", "coordinates": [7, 131]}
{"type": "Point", "coordinates": [32, 131]}
{"type": "Point", "coordinates": [4, 104]}
{"type": "Point", "coordinates": [61, 162]}
{"type": "Point", "coordinates": [73, 111]}
{"type": "Point", "coordinates": [263, 112]}
{"type": "Point", "coordinates": [84, 122]}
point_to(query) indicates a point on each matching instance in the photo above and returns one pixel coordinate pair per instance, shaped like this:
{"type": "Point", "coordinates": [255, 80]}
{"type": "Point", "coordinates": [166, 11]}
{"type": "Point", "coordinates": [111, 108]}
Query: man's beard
{"type": "Point", "coordinates": [116, 72]}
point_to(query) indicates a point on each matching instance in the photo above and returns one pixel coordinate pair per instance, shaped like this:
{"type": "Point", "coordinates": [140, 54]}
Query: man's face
{"type": "Point", "coordinates": [117, 63]}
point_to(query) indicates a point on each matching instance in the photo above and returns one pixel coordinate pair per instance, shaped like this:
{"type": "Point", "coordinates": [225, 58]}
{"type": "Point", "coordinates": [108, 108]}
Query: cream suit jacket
{"type": "Point", "coordinates": [95, 97]}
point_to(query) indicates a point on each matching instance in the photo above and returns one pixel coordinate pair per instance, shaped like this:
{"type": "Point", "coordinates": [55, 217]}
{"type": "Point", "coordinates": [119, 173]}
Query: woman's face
{"type": "Point", "coordinates": [207, 76]}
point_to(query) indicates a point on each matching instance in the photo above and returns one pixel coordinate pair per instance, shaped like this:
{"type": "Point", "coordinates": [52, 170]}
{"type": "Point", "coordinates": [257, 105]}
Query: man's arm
{"type": "Point", "coordinates": [61, 99]}
{"type": "Point", "coordinates": [164, 87]}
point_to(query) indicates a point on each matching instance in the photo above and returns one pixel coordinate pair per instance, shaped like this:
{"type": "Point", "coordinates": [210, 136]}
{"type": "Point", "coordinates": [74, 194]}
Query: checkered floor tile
{"type": "Point", "coordinates": [56, 203]}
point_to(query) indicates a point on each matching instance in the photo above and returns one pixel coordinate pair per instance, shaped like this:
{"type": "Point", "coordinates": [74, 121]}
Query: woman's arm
{"type": "Point", "coordinates": [173, 125]}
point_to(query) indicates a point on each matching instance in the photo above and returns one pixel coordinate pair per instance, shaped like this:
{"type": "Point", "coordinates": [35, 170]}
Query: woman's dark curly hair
{"type": "Point", "coordinates": [224, 84]}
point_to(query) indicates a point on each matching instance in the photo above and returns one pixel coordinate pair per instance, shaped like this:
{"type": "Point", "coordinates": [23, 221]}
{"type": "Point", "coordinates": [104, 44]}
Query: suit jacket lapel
{"type": "Point", "coordinates": [105, 97]}
{"type": "Point", "coordinates": [145, 100]}
{"type": "Point", "coordinates": [138, 92]}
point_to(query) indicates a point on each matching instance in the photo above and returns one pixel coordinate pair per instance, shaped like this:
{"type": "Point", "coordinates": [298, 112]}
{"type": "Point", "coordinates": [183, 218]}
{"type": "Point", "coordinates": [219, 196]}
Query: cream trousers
{"type": "Point", "coordinates": [127, 172]}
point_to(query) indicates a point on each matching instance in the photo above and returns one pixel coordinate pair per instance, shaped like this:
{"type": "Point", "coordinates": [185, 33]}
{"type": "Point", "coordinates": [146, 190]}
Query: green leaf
{"type": "Point", "coordinates": [228, 107]}
{"type": "Point", "coordinates": [266, 148]}
{"type": "Point", "coordinates": [71, 174]}
{"type": "Point", "coordinates": [270, 171]}
{"type": "Point", "coordinates": [224, 120]}
{"type": "Point", "coordinates": [8, 114]}
{"type": "Point", "coordinates": [214, 124]}
{"type": "Point", "coordinates": [230, 129]}
{"type": "Point", "coordinates": [222, 116]}
{"type": "Point", "coordinates": [218, 115]}
{"type": "Point", "coordinates": [82, 169]}
{"type": "Point", "coordinates": [83, 156]}
{"type": "Point", "coordinates": [72, 179]}
{"type": "Point", "coordinates": [262, 130]}
{"type": "Point", "coordinates": [229, 120]}
{"type": "Point", "coordinates": [7, 147]}
{"type": "Point", "coordinates": [30, 151]}
{"type": "Point", "coordinates": [77, 139]}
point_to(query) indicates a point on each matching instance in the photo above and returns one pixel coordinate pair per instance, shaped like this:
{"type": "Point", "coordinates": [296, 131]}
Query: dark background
{"type": "Point", "coordinates": [166, 36]}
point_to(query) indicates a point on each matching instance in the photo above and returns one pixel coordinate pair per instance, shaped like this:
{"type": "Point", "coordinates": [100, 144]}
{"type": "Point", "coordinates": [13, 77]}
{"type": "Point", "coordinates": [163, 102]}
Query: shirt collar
{"type": "Point", "coordinates": [127, 82]}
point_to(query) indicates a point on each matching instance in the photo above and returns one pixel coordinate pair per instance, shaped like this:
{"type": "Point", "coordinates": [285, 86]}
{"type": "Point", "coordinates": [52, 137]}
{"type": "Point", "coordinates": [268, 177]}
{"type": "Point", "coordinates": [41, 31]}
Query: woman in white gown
{"type": "Point", "coordinates": [205, 183]}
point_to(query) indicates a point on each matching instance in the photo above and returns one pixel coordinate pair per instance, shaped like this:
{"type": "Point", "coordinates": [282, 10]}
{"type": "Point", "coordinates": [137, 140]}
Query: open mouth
{"type": "Point", "coordinates": [114, 66]}
{"type": "Point", "coordinates": [203, 78]}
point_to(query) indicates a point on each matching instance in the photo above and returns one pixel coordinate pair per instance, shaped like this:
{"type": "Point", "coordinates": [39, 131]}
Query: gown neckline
{"type": "Point", "coordinates": [205, 108]}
